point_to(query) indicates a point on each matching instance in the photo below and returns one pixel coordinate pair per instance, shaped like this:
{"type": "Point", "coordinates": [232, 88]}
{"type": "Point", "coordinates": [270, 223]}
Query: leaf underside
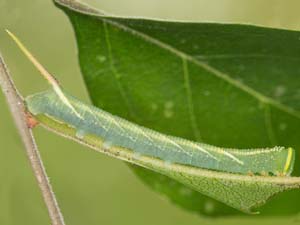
{"type": "Point", "coordinates": [226, 85]}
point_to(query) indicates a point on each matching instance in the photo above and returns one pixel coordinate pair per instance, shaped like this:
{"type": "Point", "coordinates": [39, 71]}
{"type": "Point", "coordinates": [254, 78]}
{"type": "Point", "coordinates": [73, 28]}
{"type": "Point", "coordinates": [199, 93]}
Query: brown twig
{"type": "Point", "coordinates": [17, 108]}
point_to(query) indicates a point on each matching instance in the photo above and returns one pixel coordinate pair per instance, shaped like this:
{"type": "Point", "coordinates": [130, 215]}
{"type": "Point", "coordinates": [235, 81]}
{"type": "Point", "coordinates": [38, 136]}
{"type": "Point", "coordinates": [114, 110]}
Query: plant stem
{"type": "Point", "coordinates": [17, 108]}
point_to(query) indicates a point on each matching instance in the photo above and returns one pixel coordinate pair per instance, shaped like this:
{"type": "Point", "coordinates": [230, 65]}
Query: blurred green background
{"type": "Point", "coordinates": [92, 188]}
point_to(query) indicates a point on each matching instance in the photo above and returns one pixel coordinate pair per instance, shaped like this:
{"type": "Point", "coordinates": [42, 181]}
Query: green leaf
{"type": "Point", "coordinates": [226, 85]}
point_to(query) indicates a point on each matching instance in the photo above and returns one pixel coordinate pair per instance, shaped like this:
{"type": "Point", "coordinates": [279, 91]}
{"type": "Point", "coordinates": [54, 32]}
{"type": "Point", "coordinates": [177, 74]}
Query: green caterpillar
{"type": "Point", "coordinates": [108, 133]}
{"type": "Point", "coordinates": [113, 131]}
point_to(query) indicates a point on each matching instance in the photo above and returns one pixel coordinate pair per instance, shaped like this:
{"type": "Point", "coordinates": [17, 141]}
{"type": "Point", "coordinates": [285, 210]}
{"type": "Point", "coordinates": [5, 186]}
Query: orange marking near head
{"type": "Point", "coordinates": [31, 122]}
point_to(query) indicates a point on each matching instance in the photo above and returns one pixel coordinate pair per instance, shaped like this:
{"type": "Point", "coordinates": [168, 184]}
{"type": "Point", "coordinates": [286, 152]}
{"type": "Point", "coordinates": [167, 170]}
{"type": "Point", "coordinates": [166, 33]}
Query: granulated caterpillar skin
{"type": "Point", "coordinates": [113, 131]}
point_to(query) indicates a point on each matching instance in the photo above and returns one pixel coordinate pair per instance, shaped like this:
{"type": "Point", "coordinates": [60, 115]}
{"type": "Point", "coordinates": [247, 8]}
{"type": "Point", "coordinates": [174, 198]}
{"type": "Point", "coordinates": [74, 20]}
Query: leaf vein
{"type": "Point", "coordinates": [115, 72]}
{"type": "Point", "coordinates": [190, 102]}
{"type": "Point", "coordinates": [268, 124]}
